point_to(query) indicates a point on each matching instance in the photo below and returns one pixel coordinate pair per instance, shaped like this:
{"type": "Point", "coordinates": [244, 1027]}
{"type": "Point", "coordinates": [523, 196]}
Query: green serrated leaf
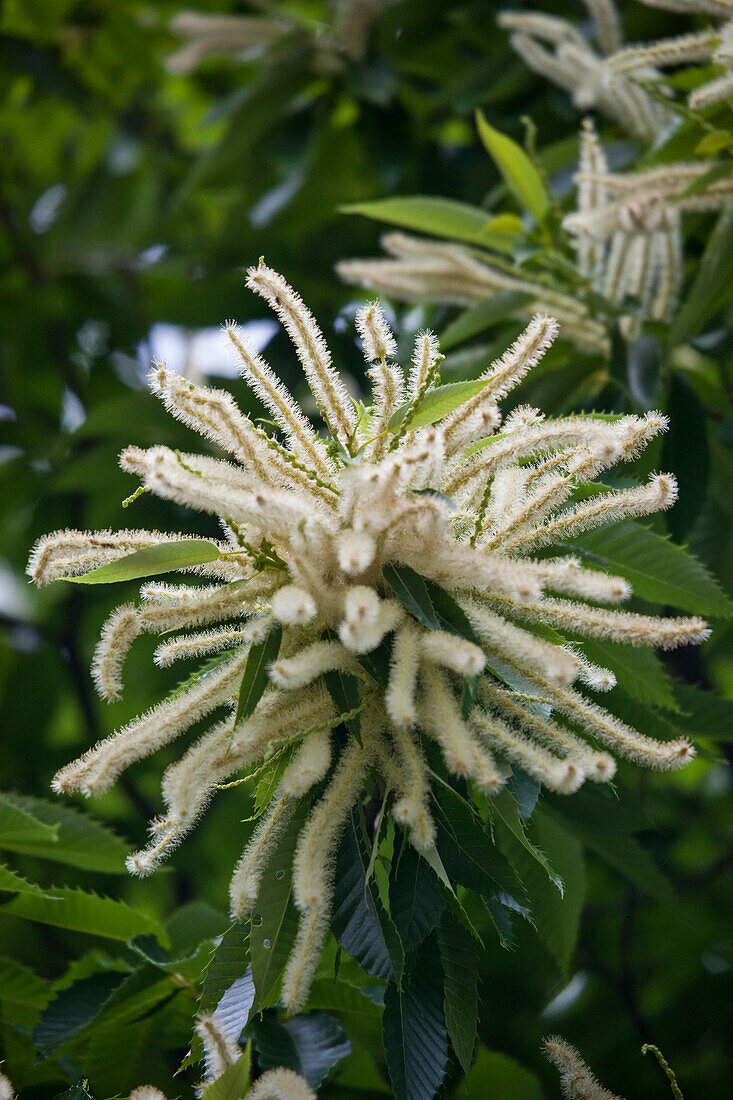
{"type": "Point", "coordinates": [234, 1081]}
{"type": "Point", "coordinates": [414, 1028]}
{"type": "Point", "coordinates": [467, 850]}
{"type": "Point", "coordinates": [19, 827]}
{"type": "Point", "coordinates": [442, 217]}
{"type": "Point", "coordinates": [658, 569]}
{"type": "Point", "coordinates": [256, 678]}
{"type": "Point", "coordinates": [460, 987]}
{"type": "Point", "coordinates": [639, 672]}
{"type": "Point", "coordinates": [85, 912]}
{"type": "Point", "coordinates": [359, 920]}
{"type": "Point", "coordinates": [151, 560]}
{"type": "Point", "coordinates": [311, 1044]}
{"type": "Point", "coordinates": [23, 993]}
{"type": "Point", "coordinates": [505, 812]}
{"type": "Point", "coordinates": [13, 883]}
{"type": "Point", "coordinates": [415, 900]}
{"type": "Point", "coordinates": [517, 170]}
{"type": "Point", "coordinates": [80, 840]}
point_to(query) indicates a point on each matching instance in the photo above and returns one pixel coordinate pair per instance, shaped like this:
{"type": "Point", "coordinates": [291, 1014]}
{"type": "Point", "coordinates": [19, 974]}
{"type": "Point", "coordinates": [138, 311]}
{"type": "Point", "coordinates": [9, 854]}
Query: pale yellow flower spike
{"type": "Point", "coordinates": [281, 1084]}
{"type": "Point", "coordinates": [308, 550]}
{"type": "Point", "coordinates": [576, 1079]}
{"type": "Point", "coordinates": [142, 1092]}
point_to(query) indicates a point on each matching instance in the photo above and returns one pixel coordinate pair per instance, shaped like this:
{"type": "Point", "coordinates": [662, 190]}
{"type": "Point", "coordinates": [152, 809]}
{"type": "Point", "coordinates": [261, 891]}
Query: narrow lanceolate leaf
{"type": "Point", "coordinates": [414, 1030]}
{"type": "Point", "coordinates": [234, 1081]}
{"type": "Point", "coordinates": [83, 912]}
{"type": "Point", "coordinates": [442, 217]}
{"type": "Point", "coordinates": [311, 1044]}
{"type": "Point", "coordinates": [517, 170]}
{"type": "Point", "coordinates": [273, 924]}
{"type": "Point", "coordinates": [74, 1008]}
{"type": "Point", "coordinates": [460, 987]}
{"type": "Point", "coordinates": [151, 560]}
{"type": "Point", "coordinates": [415, 900]}
{"type": "Point", "coordinates": [492, 310]}
{"type": "Point", "coordinates": [19, 827]}
{"type": "Point", "coordinates": [359, 921]}
{"type": "Point", "coordinates": [436, 404]}
{"type": "Point", "coordinates": [256, 678]}
{"type": "Point", "coordinates": [658, 569]}
{"type": "Point", "coordinates": [80, 840]}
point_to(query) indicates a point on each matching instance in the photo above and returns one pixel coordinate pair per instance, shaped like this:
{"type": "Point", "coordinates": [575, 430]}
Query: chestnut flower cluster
{"type": "Point", "coordinates": [321, 541]}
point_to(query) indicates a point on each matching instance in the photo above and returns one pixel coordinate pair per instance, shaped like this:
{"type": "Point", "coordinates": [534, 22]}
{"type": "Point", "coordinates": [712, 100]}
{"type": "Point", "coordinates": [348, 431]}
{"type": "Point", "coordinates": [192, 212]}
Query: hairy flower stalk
{"type": "Point", "coordinates": [576, 1079]}
{"type": "Point", "coordinates": [321, 542]}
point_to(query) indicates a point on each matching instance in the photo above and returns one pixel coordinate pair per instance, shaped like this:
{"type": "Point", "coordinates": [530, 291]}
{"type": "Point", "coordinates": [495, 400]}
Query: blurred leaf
{"type": "Point", "coordinates": [19, 827]}
{"type": "Point", "coordinates": [477, 318]}
{"type": "Point", "coordinates": [498, 1077]}
{"type": "Point", "coordinates": [84, 912]}
{"type": "Point", "coordinates": [711, 288]}
{"type": "Point", "coordinates": [359, 920]}
{"type": "Point", "coordinates": [151, 560]}
{"type": "Point", "coordinates": [705, 715]}
{"type": "Point", "coordinates": [658, 570]}
{"type": "Point", "coordinates": [13, 883]}
{"type": "Point", "coordinates": [256, 672]}
{"type": "Point", "coordinates": [415, 1035]}
{"type": "Point", "coordinates": [441, 217]}
{"type": "Point", "coordinates": [643, 368]}
{"type": "Point", "coordinates": [506, 809]}
{"type": "Point", "coordinates": [80, 840]}
{"type": "Point", "coordinates": [602, 826]}
{"type": "Point", "coordinates": [311, 1044]}
{"type": "Point", "coordinates": [461, 1005]}
{"type": "Point", "coordinates": [685, 453]}
{"type": "Point", "coordinates": [517, 170]}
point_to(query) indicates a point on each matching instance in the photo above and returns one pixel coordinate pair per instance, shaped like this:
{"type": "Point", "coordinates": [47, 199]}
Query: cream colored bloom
{"type": "Point", "coordinates": [576, 1079]}
{"type": "Point", "coordinates": [317, 538]}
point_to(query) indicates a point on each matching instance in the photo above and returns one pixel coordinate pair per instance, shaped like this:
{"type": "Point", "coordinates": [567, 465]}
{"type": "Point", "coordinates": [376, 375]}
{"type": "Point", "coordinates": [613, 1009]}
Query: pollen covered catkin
{"type": "Point", "coordinates": [375, 604]}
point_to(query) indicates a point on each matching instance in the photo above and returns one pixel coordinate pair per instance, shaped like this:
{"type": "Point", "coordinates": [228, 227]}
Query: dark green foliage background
{"type": "Point", "coordinates": [233, 161]}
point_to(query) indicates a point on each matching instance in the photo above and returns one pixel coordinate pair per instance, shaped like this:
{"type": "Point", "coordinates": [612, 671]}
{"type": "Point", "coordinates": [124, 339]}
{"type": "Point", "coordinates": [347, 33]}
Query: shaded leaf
{"type": "Point", "coordinates": [495, 1076]}
{"type": "Point", "coordinates": [460, 987]}
{"type": "Point", "coordinates": [81, 840]}
{"type": "Point", "coordinates": [639, 672]}
{"type": "Point", "coordinates": [74, 1008]}
{"type": "Point", "coordinates": [234, 1081]}
{"type": "Point", "coordinates": [415, 901]}
{"type": "Point", "coordinates": [414, 1029]}
{"type": "Point", "coordinates": [359, 920]}
{"type": "Point", "coordinates": [311, 1043]}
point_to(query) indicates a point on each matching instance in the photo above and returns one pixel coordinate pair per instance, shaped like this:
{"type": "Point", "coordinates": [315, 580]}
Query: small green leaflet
{"type": "Point", "coordinates": [256, 677]}
{"type": "Point", "coordinates": [436, 404]}
{"type": "Point", "coordinates": [234, 1081]}
{"type": "Point", "coordinates": [442, 217]}
{"type": "Point", "coordinates": [161, 558]}
{"type": "Point", "coordinates": [517, 170]}
{"type": "Point", "coordinates": [427, 602]}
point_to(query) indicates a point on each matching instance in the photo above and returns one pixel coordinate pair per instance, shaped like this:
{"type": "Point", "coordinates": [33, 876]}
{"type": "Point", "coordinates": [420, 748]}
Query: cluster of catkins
{"type": "Point", "coordinates": [627, 227]}
{"type": "Point", "coordinates": [310, 528]}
